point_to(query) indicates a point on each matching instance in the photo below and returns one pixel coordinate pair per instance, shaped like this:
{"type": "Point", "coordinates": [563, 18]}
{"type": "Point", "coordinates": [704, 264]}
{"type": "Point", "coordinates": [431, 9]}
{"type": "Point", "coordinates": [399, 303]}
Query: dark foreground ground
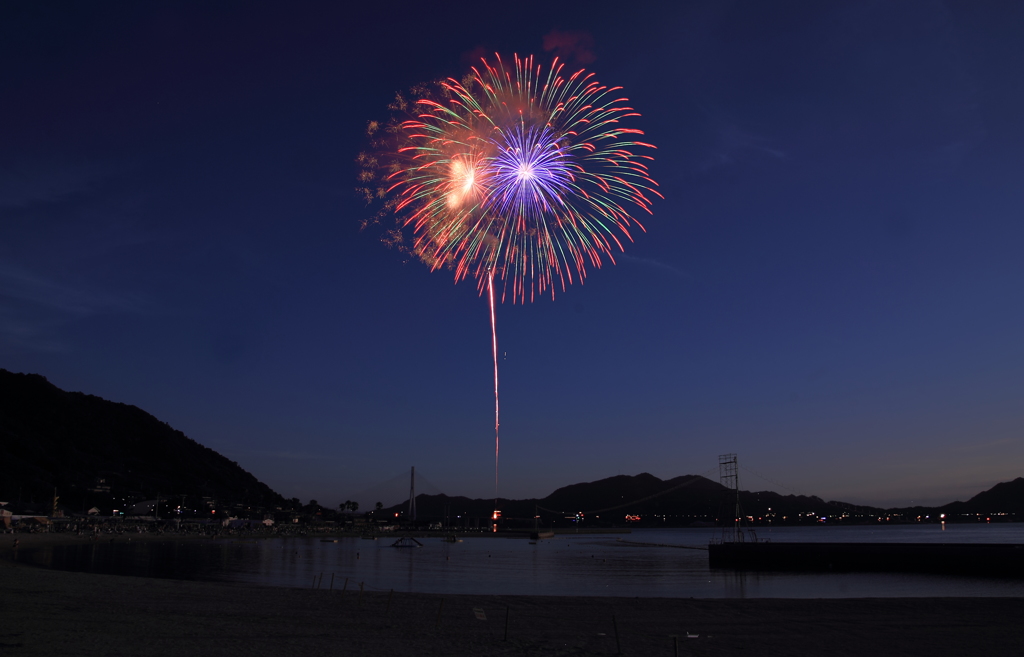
{"type": "Point", "coordinates": [45, 612]}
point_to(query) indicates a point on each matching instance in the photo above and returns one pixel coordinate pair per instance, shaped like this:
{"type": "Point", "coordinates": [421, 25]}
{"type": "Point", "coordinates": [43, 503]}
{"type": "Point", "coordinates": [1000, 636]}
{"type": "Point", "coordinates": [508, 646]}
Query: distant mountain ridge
{"type": "Point", "coordinates": [694, 499]}
{"type": "Point", "coordinates": [91, 449]}
{"type": "Point", "coordinates": [681, 500]}
{"type": "Point", "coordinates": [602, 496]}
{"type": "Point", "coordinates": [95, 451]}
{"type": "Point", "coordinates": [1005, 497]}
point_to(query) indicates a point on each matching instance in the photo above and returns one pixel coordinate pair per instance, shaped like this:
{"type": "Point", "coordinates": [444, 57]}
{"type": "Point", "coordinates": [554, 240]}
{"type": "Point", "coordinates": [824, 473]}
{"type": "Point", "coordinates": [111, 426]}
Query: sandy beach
{"type": "Point", "coordinates": [48, 612]}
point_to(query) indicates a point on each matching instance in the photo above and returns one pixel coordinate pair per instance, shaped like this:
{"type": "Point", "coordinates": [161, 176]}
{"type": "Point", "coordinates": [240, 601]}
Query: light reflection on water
{"type": "Point", "coordinates": [600, 565]}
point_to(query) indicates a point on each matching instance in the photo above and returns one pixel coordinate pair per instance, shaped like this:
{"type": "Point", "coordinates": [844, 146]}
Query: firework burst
{"type": "Point", "coordinates": [515, 172]}
{"type": "Point", "coordinates": [511, 173]}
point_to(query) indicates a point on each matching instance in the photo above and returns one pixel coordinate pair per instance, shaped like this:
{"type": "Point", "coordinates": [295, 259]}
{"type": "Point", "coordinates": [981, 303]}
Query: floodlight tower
{"type": "Point", "coordinates": [412, 494]}
{"type": "Point", "coordinates": [728, 475]}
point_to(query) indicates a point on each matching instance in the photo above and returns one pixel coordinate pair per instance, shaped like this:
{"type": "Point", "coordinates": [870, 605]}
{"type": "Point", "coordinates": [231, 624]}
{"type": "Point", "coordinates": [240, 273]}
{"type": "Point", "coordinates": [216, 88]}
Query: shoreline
{"type": "Point", "coordinates": [49, 612]}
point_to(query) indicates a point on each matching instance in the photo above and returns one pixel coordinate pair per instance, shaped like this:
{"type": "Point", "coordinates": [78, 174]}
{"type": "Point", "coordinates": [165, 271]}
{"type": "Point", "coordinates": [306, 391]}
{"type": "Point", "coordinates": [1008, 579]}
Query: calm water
{"type": "Point", "coordinates": [566, 565]}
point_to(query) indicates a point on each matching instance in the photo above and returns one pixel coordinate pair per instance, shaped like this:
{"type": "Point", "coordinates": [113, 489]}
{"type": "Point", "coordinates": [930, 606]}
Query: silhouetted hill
{"type": "Point", "coordinates": [693, 499]}
{"type": "Point", "coordinates": [606, 495]}
{"type": "Point", "coordinates": [70, 441]}
{"type": "Point", "coordinates": [685, 494]}
{"type": "Point", "coordinates": [678, 501]}
{"type": "Point", "coordinates": [1005, 497]}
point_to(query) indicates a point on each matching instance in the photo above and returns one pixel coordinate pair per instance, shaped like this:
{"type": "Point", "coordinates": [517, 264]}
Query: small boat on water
{"type": "Point", "coordinates": [536, 536]}
{"type": "Point", "coordinates": [407, 542]}
{"type": "Point", "coordinates": [328, 540]}
{"type": "Point", "coordinates": [451, 538]}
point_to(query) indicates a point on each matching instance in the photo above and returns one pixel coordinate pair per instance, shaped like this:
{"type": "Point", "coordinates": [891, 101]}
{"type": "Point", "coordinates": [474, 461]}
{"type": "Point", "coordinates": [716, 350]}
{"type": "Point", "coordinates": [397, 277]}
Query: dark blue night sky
{"type": "Point", "coordinates": [832, 288]}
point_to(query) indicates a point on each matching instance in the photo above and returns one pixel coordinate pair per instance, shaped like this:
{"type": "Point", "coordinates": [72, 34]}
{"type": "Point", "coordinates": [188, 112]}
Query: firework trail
{"type": "Point", "coordinates": [514, 172]}
{"type": "Point", "coordinates": [494, 349]}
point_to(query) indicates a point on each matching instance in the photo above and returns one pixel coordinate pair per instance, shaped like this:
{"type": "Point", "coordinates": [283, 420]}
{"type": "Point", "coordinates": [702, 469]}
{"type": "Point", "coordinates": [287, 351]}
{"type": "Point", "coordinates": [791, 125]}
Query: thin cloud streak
{"type": "Point", "coordinates": [22, 285]}
{"type": "Point", "coordinates": [33, 308]}
{"type": "Point", "coordinates": [654, 264]}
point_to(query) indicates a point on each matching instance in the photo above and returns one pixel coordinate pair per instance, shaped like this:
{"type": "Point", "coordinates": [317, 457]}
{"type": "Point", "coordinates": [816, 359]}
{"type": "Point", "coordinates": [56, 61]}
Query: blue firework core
{"type": "Point", "coordinates": [531, 172]}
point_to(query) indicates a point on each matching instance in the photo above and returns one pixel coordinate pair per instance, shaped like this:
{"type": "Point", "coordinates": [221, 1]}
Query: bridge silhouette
{"type": "Point", "coordinates": [395, 491]}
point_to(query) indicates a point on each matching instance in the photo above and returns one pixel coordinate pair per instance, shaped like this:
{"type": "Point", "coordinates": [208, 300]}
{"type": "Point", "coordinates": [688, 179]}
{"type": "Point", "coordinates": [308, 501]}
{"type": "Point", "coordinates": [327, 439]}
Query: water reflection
{"type": "Point", "coordinates": [565, 565]}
